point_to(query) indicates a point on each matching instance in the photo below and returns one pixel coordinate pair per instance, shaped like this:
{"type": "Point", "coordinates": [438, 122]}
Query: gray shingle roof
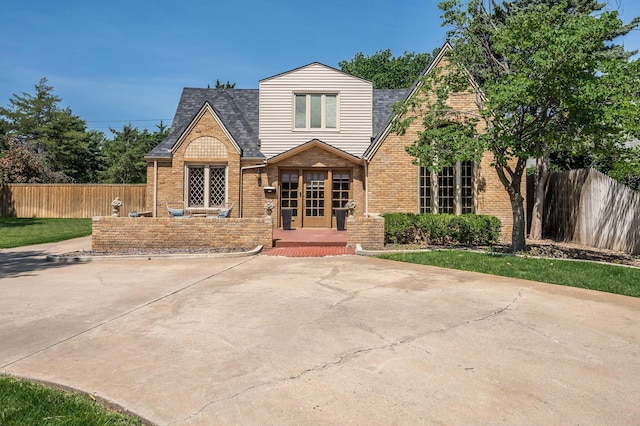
{"type": "Point", "coordinates": [236, 108]}
{"type": "Point", "coordinates": [383, 99]}
{"type": "Point", "coordinates": [238, 111]}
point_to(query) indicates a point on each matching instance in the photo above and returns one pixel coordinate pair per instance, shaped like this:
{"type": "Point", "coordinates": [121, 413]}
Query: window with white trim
{"type": "Point", "coordinates": [206, 185]}
{"type": "Point", "coordinates": [316, 111]}
{"type": "Point", "coordinates": [454, 186]}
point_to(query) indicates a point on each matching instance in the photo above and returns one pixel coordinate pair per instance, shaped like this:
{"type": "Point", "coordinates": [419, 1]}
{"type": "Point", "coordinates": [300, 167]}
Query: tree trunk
{"type": "Point", "coordinates": [512, 184]}
{"type": "Point", "coordinates": [518, 242]}
{"type": "Point", "coordinates": [539, 191]}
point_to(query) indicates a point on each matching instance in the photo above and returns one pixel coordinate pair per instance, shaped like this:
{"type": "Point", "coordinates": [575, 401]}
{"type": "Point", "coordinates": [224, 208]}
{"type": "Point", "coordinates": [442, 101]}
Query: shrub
{"type": "Point", "coordinates": [399, 228]}
{"type": "Point", "coordinates": [433, 228]}
{"type": "Point", "coordinates": [441, 229]}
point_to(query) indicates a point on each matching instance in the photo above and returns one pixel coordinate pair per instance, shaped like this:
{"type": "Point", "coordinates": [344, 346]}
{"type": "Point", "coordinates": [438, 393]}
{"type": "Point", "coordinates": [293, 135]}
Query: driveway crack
{"type": "Point", "coordinates": [342, 358]}
{"type": "Point", "coordinates": [486, 317]}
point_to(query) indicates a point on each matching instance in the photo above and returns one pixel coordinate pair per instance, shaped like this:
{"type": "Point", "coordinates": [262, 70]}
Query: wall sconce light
{"type": "Point", "coordinates": [259, 175]}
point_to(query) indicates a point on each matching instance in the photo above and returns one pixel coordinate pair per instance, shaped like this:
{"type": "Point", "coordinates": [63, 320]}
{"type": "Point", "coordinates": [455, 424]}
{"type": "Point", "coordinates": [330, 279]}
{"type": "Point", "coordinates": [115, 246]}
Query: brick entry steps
{"type": "Point", "coordinates": [309, 243]}
{"type": "Point", "coordinates": [312, 251]}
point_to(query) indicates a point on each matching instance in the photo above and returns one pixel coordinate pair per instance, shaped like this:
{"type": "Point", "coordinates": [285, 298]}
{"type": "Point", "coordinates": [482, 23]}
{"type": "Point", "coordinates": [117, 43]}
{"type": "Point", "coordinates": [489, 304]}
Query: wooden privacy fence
{"type": "Point", "coordinates": [68, 200]}
{"type": "Point", "coordinates": [588, 207]}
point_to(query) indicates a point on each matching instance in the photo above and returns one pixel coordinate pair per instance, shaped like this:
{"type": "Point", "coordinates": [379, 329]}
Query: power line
{"type": "Point", "coordinates": [125, 121]}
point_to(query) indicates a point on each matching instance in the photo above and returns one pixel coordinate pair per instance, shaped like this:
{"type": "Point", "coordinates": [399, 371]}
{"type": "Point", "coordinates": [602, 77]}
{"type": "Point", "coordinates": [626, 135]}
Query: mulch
{"type": "Point", "coordinates": [556, 250]}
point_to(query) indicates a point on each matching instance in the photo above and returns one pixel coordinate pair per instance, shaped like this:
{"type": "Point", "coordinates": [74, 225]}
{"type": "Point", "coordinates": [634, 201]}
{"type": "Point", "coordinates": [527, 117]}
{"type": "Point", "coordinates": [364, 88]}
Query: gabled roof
{"type": "Point", "coordinates": [311, 144]}
{"type": "Point", "coordinates": [238, 111]}
{"type": "Point", "coordinates": [313, 64]}
{"type": "Point", "coordinates": [206, 108]}
{"type": "Point", "coordinates": [236, 108]}
{"type": "Point", "coordinates": [386, 127]}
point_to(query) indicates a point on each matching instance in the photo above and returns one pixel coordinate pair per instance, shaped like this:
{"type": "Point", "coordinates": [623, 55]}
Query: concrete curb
{"type": "Point", "coordinates": [88, 258]}
{"type": "Point", "coordinates": [362, 252]}
{"type": "Point", "coordinates": [107, 403]}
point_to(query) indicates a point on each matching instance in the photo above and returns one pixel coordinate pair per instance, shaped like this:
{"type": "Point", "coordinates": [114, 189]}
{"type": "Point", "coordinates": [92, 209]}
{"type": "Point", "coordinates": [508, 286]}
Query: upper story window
{"type": "Point", "coordinates": [316, 111]}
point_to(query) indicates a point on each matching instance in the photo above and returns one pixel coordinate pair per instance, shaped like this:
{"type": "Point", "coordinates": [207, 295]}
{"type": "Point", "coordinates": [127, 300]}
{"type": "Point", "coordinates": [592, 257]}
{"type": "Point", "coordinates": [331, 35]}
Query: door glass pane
{"type": "Point", "coordinates": [314, 189]}
{"type": "Point", "coordinates": [330, 112]}
{"type": "Point", "coordinates": [289, 192]}
{"type": "Point", "coordinates": [340, 190]}
{"type": "Point", "coordinates": [316, 111]}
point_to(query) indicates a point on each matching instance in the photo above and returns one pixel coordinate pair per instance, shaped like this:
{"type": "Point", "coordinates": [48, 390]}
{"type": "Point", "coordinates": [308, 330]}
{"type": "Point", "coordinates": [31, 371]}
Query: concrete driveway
{"type": "Point", "coordinates": [270, 340]}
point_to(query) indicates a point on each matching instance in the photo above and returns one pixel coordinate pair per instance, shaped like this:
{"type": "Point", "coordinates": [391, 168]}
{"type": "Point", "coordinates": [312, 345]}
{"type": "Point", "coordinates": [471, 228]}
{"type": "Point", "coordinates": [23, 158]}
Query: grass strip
{"type": "Point", "coordinates": [594, 276]}
{"type": "Point", "coordinates": [25, 403]}
{"type": "Point", "coordinates": [18, 232]}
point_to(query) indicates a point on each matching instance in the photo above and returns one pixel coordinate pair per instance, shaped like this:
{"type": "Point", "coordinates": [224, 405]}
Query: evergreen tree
{"type": "Point", "coordinates": [123, 156]}
{"type": "Point", "coordinates": [36, 124]}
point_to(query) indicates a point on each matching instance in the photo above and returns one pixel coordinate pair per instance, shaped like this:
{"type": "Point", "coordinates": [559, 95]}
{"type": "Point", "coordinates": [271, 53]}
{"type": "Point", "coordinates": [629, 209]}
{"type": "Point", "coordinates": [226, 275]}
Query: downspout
{"type": "Point", "coordinates": [242, 169]}
{"type": "Point", "coordinates": [155, 188]}
{"type": "Point", "coordinates": [366, 188]}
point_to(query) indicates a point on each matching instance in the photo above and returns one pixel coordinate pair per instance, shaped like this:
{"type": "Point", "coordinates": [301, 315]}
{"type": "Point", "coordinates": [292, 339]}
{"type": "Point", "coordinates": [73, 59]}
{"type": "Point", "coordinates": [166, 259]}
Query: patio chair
{"type": "Point", "coordinates": [224, 209]}
{"type": "Point", "coordinates": [176, 209]}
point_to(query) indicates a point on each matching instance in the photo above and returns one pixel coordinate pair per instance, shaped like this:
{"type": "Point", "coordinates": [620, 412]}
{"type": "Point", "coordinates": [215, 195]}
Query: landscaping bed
{"type": "Point", "coordinates": [542, 248]}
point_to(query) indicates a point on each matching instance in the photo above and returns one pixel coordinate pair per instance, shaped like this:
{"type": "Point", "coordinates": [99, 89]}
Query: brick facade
{"type": "Point", "coordinates": [171, 174]}
{"type": "Point", "coordinates": [388, 183]}
{"type": "Point", "coordinates": [122, 233]}
{"type": "Point", "coordinates": [394, 180]}
{"type": "Point", "coordinates": [366, 231]}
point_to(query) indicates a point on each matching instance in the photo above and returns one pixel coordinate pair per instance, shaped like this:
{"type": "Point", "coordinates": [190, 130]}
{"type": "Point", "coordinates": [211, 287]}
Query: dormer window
{"type": "Point", "coordinates": [316, 111]}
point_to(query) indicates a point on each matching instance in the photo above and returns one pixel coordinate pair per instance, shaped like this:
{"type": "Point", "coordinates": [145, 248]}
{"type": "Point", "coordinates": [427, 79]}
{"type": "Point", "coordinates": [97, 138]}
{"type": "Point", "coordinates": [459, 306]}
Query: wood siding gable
{"type": "Point", "coordinates": [276, 110]}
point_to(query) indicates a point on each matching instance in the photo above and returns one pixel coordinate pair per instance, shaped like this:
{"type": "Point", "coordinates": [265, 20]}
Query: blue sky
{"type": "Point", "coordinates": [115, 61]}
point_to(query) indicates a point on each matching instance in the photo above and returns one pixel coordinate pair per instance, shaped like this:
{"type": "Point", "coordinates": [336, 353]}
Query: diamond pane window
{"type": "Point", "coordinates": [217, 187]}
{"type": "Point", "coordinates": [196, 187]}
{"type": "Point", "coordinates": [207, 186]}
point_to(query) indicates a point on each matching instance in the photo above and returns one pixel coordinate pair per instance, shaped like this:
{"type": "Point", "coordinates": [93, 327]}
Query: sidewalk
{"type": "Point", "coordinates": [66, 246]}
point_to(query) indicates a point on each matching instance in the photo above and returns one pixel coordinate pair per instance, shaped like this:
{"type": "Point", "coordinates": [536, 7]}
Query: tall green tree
{"type": "Point", "coordinates": [553, 80]}
{"type": "Point", "coordinates": [386, 71]}
{"type": "Point", "coordinates": [36, 124]}
{"type": "Point", "coordinates": [227, 85]}
{"type": "Point", "coordinates": [123, 156]}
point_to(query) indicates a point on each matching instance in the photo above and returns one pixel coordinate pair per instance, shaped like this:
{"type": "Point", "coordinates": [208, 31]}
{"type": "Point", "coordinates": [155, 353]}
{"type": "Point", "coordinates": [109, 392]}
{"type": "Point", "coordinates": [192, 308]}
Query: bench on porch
{"type": "Point", "coordinates": [177, 209]}
{"type": "Point", "coordinates": [141, 214]}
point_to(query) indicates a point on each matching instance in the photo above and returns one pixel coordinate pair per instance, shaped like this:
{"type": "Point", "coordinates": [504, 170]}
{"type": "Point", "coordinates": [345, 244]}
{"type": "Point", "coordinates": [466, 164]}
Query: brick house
{"type": "Point", "coordinates": [309, 140]}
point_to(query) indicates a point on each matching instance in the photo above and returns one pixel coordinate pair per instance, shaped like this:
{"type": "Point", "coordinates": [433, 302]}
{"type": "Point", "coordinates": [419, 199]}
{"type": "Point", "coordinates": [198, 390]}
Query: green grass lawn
{"type": "Point", "coordinates": [17, 232]}
{"type": "Point", "coordinates": [23, 403]}
{"type": "Point", "coordinates": [594, 276]}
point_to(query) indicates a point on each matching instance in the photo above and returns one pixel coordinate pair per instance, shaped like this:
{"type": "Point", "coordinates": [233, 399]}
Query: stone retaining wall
{"type": "Point", "coordinates": [122, 233]}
